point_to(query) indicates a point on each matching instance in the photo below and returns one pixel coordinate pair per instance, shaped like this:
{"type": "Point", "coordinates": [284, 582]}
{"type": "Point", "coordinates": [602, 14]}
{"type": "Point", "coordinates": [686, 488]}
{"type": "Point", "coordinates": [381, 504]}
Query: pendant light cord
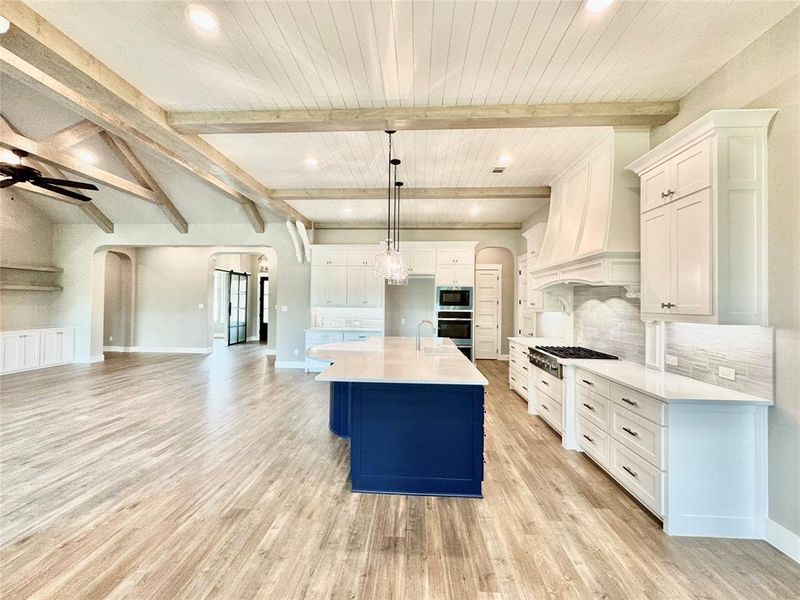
{"type": "Point", "coordinates": [389, 198]}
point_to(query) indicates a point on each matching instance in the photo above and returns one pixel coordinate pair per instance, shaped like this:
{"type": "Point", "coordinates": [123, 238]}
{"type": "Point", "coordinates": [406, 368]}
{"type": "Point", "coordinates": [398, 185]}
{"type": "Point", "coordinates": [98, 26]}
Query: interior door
{"type": "Point", "coordinates": [487, 313]}
{"type": "Point", "coordinates": [237, 308]}
{"type": "Point", "coordinates": [263, 309]}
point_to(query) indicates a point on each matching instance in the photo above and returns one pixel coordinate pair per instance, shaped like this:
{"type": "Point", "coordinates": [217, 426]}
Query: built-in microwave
{"type": "Point", "coordinates": [453, 298]}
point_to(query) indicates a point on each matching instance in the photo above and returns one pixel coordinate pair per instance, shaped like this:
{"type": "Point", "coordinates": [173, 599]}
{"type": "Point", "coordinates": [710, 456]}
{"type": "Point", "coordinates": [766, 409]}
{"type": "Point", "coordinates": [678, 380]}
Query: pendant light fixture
{"type": "Point", "coordinates": [402, 279]}
{"type": "Point", "coordinates": [389, 261]}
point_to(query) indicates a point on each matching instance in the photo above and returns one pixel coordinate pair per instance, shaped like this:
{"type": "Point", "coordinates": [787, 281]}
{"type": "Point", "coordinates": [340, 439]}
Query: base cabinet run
{"type": "Point", "coordinates": [36, 349]}
{"type": "Point", "coordinates": [698, 466]}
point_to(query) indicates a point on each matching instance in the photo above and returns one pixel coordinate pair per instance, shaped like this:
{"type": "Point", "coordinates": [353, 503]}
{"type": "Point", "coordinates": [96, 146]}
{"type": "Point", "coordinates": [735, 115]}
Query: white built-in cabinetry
{"type": "Point", "coordinates": [703, 221]}
{"type": "Point", "coordinates": [455, 267]}
{"type": "Point", "coordinates": [420, 261]}
{"type": "Point", "coordinates": [36, 348]}
{"type": "Point", "coordinates": [344, 277]}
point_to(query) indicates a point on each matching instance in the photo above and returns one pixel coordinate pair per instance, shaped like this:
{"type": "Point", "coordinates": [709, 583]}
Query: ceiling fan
{"type": "Point", "coordinates": [19, 173]}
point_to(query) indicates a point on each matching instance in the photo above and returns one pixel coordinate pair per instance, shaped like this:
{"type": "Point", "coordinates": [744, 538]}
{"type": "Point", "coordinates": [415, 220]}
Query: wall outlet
{"type": "Point", "coordinates": [284, 308]}
{"type": "Point", "coordinates": [402, 321]}
{"type": "Point", "coordinates": [727, 373]}
{"type": "Point", "coordinates": [671, 360]}
{"type": "Point", "coordinates": [296, 352]}
{"type": "Point", "coordinates": [200, 305]}
{"type": "Point", "coordinates": [111, 338]}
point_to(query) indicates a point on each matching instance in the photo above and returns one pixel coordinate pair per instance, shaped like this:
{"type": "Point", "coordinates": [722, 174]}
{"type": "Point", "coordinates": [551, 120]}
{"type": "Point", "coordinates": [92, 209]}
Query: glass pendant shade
{"type": "Point", "coordinates": [388, 262]}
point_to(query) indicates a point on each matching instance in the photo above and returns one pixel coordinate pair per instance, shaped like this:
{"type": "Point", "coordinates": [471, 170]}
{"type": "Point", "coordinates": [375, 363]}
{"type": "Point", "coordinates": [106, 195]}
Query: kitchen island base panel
{"type": "Point", "coordinates": [339, 418]}
{"type": "Point", "coordinates": [416, 439]}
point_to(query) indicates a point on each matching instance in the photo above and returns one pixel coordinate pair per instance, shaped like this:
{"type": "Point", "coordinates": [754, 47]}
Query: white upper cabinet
{"type": "Point", "coordinates": [420, 261]}
{"type": "Point", "coordinates": [703, 222]}
{"type": "Point", "coordinates": [455, 256]}
{"type": "Point", "coordinates": [364, 288]}
{"type": "Point", "coordinates": [327, 257]}
{"type": "Point", "coordinates": [362, 259]}
{"type": "Point", "coordinates": [455, 275]}
{"type": "Point", "coordinates": [329, 286]}
{"type": "Point", "coordinates": [593, 226]}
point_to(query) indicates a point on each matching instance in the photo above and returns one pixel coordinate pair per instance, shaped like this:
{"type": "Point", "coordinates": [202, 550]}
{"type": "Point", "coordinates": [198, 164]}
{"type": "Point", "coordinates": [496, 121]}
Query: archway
{"type": "Point", "coordinates": [118, 301]}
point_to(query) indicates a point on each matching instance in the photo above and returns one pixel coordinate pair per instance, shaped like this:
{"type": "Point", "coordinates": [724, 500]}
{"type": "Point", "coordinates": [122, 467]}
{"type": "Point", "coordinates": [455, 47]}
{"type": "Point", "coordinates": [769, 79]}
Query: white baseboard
{"type": "Point", "coordinates": [784, 540]}
{"type": "Point", "coordinates": [86, 360]}
{"type": "Point", "coordinates": [270, 352]}
{"type": "Point", "coordinates": [290, 364]}
{"type": "Point", "coordinates": [253, 338]}
{"type": "Point", "coordinates": [502, 357]}
{"type": "Point", "coordinates": [161, 349]}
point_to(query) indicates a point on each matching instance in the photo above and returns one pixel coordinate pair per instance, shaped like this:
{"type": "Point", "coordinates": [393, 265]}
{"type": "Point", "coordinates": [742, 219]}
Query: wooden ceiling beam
{"type": "Point", "coordinates": [43, 153]}
{"type": "Point", "coordinates": [42, 57]}
{"type": "Point", "coordinates": [467, 193]}
{"type": "Point", "coordinates": [382, 226]}
{"type": "Point", "coordinates": [128, 158]}
{"type": "Point", "coordinates": [74, 134]}
{"type": "Point", "coordinates": [617, 114]}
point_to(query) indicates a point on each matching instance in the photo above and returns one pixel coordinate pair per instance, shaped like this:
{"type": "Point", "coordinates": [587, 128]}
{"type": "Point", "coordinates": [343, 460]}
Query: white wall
{"type": "Point", "coordinates": [413, 302]}
{"type": "Point", "coordinates": [767, 75]}
{"type": "Point", "coordinates": [26, 237]}
{"type": "Point", "coordinates": [81, 306]}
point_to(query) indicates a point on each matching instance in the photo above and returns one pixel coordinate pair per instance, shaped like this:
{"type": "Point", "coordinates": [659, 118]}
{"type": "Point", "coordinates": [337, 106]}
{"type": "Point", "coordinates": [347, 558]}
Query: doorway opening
{"type": "Point", "coordinates": [263, 308]}
{"type": "Point", "coordinates": [118, 299]}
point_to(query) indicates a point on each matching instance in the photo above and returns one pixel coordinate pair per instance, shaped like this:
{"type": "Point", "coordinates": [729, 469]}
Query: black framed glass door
{"type": "Point", "coordinates": [263, 296]}
{"type": "Point", "coordinates": [237, 308]}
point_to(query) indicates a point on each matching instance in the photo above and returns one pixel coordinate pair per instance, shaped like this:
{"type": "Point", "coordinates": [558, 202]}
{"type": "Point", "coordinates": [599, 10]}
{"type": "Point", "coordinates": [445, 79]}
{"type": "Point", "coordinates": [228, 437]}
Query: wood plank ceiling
{"type": "Point", "coordinates": [322, 55]}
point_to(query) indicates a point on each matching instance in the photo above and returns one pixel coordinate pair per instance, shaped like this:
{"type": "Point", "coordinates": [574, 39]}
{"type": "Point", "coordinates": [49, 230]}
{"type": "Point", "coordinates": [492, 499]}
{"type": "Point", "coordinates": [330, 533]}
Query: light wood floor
{"type": "Point", "coordinates": [154, 476]}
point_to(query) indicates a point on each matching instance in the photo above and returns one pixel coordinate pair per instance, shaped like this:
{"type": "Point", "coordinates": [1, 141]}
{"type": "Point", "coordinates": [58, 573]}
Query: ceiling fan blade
{"type": "Point", "coordinates": [62, 191]}
{"type": "Point", "coordinates": [68, 183]}
{"type": "Point", "coordinates": [8, 182]}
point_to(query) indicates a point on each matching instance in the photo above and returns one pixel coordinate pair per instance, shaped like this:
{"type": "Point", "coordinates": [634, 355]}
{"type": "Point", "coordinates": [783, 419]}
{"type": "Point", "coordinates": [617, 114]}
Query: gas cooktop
{"type": "Point", "coordinates": [575, 352]}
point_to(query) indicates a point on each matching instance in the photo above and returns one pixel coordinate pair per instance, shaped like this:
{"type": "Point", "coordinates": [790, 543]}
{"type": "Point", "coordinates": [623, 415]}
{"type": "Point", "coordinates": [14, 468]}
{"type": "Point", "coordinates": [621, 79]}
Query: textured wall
{"type": "Point", "coordinates": [605, 320]}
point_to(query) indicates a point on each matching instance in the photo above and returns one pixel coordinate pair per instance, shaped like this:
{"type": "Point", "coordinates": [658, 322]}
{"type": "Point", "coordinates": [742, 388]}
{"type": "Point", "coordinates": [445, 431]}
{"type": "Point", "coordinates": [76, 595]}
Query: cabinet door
{"type": "Point", "coordinates": [691, 170]}
{"type": "Point", "coordinates": [691, 254]}
{"type": "Point", "coordinates": [13, 348]}
{"type": "Point", "coordinates": [465, 275]}
{"type": "Point", "coordinates": [320, 286]}
{"type": "Point", "coordinates": [356, 286]}
{"type": "Point", "coordinates": [655, 259]}
{"type": "Point", "coordinates": [51, 347]}
{"type": "Point", "coordinates": [445, 257]}
{"type": "Point", "coordinates": [420, 262]}
{"type": "Point", "coordinates": [464, 257]}
{"type": "Point", "coordinates": [338, 286]}
{"type": "Point", "coordinates": [654, 183]}
{"type": "Point", "coordinates": [67, 345]}
{"type": "Point", "coordinates": [322, 257]}
{"type": "Point", "coordinates": [361, 258]}
{"type": "Point", "coordinates": [373, 289]}
{"type": "Point", "coordinates": [445, 274]}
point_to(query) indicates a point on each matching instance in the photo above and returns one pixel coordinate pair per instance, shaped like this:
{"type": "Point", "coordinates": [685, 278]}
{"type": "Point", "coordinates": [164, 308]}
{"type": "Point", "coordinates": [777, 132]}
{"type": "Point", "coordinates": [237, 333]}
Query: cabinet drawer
{"type": "Point", "coordinates": [592, 407]}
{"type": "Point", "coordinates": [640, 478]}
{"type": "Point", "coordinates": [592, 382]}
{"type": "Point", "coordinates": [518, 383]}
{"type": "Point", "coordinates": [355, 336]}
{"type": "Point", "coordinates": [593, 440]}
{"type": "Point", "coordinates": [643, 437]}
{"type": "Point", "coordinates": [547, 383]}
{"type": "Point", "coordinates": [638, 403]}
{"type": "Point", "coordinates": [550, 410]}
{"type": "Point", "coordinates": [518, 365]}
{"type": "Point", "coordinates": [317, 338]}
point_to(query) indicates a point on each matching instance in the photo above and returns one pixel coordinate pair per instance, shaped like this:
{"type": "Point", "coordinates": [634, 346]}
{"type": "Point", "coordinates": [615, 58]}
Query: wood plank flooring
{"type": "Point", "coordinates": [215, 477]}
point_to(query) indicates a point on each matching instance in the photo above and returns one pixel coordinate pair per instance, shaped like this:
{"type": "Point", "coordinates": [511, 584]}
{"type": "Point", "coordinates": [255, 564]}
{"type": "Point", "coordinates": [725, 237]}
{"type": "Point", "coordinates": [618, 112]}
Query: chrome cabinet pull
{"type": "Point", "coordinates": [631, 471]}
{"type": "Point", "coordinates": [587, 382]}
{"type": "Point", "coordinates": [630, 432]}
{"type": "Point", "coordinates": [588, 438]}
{"type": "Point", "coordinates": [589, 406]}
{"type": "Point", "coordinates": [544, 382]}
{"type": "Point", "coordinates": [545, 407]}
{"type": "Point", "coordinates": [631, 402]}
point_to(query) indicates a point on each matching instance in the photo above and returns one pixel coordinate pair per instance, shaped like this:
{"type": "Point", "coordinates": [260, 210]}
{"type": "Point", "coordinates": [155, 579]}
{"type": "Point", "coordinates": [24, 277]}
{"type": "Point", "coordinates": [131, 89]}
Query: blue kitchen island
{"type": "Point", "coordinates": [414, 417]}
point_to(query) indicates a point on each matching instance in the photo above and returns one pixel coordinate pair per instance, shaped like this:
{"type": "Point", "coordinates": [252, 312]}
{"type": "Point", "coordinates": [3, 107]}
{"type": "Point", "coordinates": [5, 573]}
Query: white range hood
{"type": "Point", "coordinates": [592, 232]}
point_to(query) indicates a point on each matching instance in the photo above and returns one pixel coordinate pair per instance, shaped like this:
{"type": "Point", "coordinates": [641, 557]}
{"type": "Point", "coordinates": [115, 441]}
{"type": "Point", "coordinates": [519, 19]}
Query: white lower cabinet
{"type": "Point", "coordinates": [36, 348]}
{"type": "Point", "coordinates": [518, 367]}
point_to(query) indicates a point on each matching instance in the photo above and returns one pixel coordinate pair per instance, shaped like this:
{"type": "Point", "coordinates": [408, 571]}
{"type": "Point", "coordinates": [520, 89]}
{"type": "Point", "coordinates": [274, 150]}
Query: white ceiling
{"type": "Point", "coordinates": [376, 54]}
{"type": "Point", "coordinates": [413, 53]}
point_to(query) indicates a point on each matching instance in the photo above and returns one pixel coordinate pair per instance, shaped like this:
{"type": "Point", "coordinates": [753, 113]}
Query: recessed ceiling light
{"type": "Point", "coordinates": [504, 160]}
{"type": "Point", "coordinates": [86, 156]}
{"type": "Point", "coordinates": [311, 162]}
{"type": "Point", "coordinates": [4, 25]}
{"type": "Point", "coordinates": [597, 5]}
{"type": "Point", "coordinates": [202, 18]}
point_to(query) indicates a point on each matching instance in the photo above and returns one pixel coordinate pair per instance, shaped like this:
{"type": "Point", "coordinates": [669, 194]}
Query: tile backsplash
{"type": "Point", "coordinates": [605, 320]}
{"type": "Point", "coordinates": [702, 349]}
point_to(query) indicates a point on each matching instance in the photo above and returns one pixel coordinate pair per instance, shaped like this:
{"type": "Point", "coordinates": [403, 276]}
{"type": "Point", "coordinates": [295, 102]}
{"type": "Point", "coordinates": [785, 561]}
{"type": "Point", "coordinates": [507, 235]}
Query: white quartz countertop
{"type": "Point", "coordinates": [396, 360]}
{"type": "Point", "coordinates": [668, 387]}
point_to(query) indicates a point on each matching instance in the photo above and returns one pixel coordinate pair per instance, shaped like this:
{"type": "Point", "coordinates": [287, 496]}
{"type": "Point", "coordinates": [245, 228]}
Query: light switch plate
{"type": "Point", "coordinates": [200, 305]}
{"type": "Point", "coordinates": [284, 308]}
{"type": "Point", "coordinates": [727, 373]}
{"type": "Point", "coordinates": [671, 360]}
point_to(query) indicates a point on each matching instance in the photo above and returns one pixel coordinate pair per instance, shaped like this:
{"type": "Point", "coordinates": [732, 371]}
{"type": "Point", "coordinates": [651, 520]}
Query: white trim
{"type": "Point", "coordinates": [253, 338]}
{"type": "Point", "coordinates": [87, 360]}
{"type": "Point", "coordinates": [783, 539]}
{"type": "Point", "coordinates": [161, 349]}
{"type": "Point", "coordinates": [502, 357]}
{"type": "Point", "coordinates": [271, 352]}
{"type": "Point", "coordinates": [290, 364]}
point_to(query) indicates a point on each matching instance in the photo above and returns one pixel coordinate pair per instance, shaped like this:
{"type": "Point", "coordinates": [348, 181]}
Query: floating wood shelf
{"type": "Point", "coordinates": [38, 268]}
{"type": "Point", "coordinates": [22, 287]}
